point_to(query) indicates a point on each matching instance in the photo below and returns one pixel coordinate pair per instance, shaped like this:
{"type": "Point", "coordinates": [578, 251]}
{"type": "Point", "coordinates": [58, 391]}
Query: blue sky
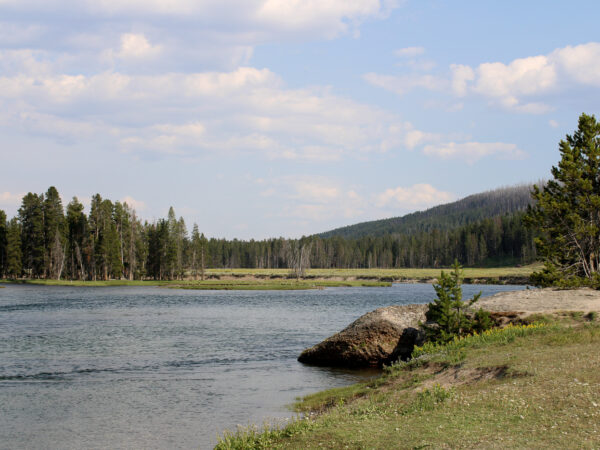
{"type": "Point", "coordinates": [265, 118]}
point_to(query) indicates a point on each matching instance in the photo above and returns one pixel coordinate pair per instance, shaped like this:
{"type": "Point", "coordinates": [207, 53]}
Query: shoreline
{"type": "Point", "coordinates": [281, 279]}
{"type": "Point", "coordinates": [551, 328]}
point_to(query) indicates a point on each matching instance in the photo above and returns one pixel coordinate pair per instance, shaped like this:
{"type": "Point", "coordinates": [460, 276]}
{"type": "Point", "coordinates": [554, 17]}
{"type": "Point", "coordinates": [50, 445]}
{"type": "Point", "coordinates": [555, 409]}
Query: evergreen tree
{"type": "Point", "coordinates": [14, 266]}
{"type": "Point", "coordinates": [449, 313]}
{"type": "Point", "coordinates": [567, 211]}
{"type": "Point", "coordinates": [195, 250]}
{"type": "Point", "coordinates": [54, 234]}
{"type": "Point", "coordinates": [76, 235]}
{"type": "Point", "coordinates": [31, 216]}
{"type": "Point", "coordinates": [3, 244]}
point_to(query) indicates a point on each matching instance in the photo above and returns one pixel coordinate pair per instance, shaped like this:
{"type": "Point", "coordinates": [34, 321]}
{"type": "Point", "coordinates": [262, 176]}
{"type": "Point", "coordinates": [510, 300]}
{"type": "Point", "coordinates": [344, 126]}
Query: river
{"type": "Point", "coordinates": [149, 367]}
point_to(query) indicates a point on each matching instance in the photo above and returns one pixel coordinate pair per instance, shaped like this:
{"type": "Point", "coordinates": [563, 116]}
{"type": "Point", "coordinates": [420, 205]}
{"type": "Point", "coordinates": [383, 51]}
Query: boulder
{"type": "Point", "coordinates": [379, 337]}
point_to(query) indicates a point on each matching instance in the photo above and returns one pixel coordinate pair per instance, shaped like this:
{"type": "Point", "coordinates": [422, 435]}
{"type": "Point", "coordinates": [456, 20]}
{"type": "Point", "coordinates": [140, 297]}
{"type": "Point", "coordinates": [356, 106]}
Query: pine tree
{"type": "Point", "coordinates": [448, 316]}
{"type": "Point", "coordinates": [567, 211]}
{"type": "Point", "coordinates": [31, 216]}
{"type": "Point", "coordinates": [76, 235]}
{"type": "Point", "coordinates": [14, 267]}
{"type": "Point", "coordinates": [54, 234]}
{"type": "Point", "coordinates": [3, 244]}
{"type": "Point", "coordinates": [195, 250]}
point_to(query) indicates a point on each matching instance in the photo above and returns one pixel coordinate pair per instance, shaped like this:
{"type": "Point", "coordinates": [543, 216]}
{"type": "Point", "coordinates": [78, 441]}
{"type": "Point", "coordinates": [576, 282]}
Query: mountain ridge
{"type": "Point", "coordinates": [470, 209]}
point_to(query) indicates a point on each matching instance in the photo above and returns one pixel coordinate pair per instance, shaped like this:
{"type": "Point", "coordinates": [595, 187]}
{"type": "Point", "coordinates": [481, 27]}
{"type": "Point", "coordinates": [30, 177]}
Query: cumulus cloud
{"type": "Point", "coordinates": [11, 198]}
{"type": "Point", "coordinates": [138, 205]}
{"type": "Point", "coordinates": [203, 31]}
{"type": "Point", "coordinates": [416, 196]}
{"type": "Point", "coordinates": [522, 85]}
{"type": "Point", "coordinates": [473, 151]}
{"type": "Point", "coordinates": [320, 199]}
{"type": "Point", "coordinates": [314, 198]}
{"type": "Point", "coordinates": [244, 110]}
{"type": "Point", "coordinates": [136, 47]}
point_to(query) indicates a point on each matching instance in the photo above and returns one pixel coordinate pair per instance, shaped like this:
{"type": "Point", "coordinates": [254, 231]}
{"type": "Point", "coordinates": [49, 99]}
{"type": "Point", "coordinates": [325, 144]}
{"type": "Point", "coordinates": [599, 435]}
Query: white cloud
{"type": "Point", "coordinates": [314, 198]}
{"type": "Point", "coordinates": [244, 110]}
{"type": "Point", "coordinates": [136, 47]}
{"type": "Point", "coordinates": [409, 52]}
{"type": "Point", "coordinates": [581, 63]}
{"type": "Point", "coordinates": [461, 76]}
{"type": "Point", "coordinates": [405, 83]}
{"type": "Point", "coordinates": [138, 205]}
{"type": "Point", "coordinates": [154, 36]}
{"type": "Point", "coordinates": [416, 196]}
{"type": "Point", "coordinates": [10, 198]}
{"type": "Point", "coordinates": [553, 123]}
{"type": "Point", "coordinates": [473, 151]}
{"type": "Point", "coordinates": [522, 85]}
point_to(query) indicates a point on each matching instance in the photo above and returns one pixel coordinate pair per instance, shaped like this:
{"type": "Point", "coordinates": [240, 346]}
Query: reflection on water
{"type": "Point", "coordinates": [159, 368]}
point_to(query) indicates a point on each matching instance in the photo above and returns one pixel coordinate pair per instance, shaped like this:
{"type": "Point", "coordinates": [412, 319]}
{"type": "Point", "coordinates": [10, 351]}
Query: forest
{"type": "Point", "coordinates": [47, 240]}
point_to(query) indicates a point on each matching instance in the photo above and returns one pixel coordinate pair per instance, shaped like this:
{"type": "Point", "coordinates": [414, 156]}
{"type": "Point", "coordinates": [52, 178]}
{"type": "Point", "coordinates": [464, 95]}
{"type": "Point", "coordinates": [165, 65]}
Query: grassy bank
{"type": "Point", "coordinates": [525, 387]}
{"type": "Point", "coordinates": [481, 275]}
{"type": "Point", "coordinates": [215, 284]}
{"type": "Point", "coordinates": [279, 279]}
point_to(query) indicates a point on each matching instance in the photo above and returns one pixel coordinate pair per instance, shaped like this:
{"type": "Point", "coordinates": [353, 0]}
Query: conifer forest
{"type": "Point", "coordinates": [48, 240]}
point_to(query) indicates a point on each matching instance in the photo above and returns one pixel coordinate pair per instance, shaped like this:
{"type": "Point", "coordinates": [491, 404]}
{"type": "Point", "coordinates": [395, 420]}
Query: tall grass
{"type": "Point", "coordinates": [504, 335]}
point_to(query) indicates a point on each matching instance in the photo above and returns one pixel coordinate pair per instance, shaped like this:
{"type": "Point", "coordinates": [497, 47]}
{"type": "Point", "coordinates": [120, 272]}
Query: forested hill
{"type": "Point", "coordinates": [468, 210]}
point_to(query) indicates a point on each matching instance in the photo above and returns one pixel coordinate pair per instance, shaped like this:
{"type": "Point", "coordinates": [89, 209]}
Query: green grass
{"type": "Point", "coordinates": [525, 387]}
{"type": "Point", "coordinates": [277, 285]}
{"type": "Point", "coordinates": [86, 283]}
{"type": "Point", "coordinates": [279, 279]}
{"type": "Point", "coordinates": [396, 274]}
{"type": "Point", "coordinates": [231, 284]}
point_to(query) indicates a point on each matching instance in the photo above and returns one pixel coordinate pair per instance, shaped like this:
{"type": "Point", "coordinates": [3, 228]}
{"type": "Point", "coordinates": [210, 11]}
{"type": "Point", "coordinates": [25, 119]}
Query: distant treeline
{"type": "Point", "coordinates": [46, 240]}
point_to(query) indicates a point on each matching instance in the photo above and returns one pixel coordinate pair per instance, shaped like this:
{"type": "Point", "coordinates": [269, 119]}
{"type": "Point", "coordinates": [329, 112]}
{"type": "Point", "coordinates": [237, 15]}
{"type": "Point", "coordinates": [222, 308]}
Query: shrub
{"type": "Point", "coordinates": [449, 316]}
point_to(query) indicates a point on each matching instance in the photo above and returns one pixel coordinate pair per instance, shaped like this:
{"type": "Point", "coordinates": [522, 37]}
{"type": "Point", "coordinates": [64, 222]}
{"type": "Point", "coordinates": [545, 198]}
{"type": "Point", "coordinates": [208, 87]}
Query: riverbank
{"type": "Point", "coordinates": [535, 384]}
{"type": "Point", "coordinates": [280, 279]}
{"type": "Point", "coordinates": [213, 284]}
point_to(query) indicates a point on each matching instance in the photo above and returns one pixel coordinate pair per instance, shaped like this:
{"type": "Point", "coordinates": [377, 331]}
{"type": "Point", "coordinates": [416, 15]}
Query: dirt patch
{"type": "Point", "coordinates": [458, 375]}
{"type": "Point", "coordinates": [542, 301]}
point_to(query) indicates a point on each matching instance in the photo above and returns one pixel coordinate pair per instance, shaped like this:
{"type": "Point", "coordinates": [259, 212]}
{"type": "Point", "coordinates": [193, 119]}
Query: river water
{"type": "Point", "coordinates": [137, 367]}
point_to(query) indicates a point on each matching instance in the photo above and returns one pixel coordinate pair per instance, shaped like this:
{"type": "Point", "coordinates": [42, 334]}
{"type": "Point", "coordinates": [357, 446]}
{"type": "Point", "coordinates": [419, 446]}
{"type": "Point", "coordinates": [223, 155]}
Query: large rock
{"type": "Point", "coordinates": [379, 337]}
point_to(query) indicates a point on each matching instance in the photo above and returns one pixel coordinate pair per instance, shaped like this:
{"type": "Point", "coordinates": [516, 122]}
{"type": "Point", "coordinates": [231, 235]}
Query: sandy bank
{"type": "Point", "coordinates": [543, 300]}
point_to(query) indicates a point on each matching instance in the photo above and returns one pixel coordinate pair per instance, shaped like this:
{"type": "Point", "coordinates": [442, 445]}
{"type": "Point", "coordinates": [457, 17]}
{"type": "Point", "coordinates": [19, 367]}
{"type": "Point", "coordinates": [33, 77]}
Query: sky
{"type": "Point", "coordinates": [268, 118]}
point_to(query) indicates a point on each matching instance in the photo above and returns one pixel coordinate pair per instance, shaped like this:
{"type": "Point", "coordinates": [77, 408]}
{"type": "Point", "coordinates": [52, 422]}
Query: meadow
{"type": "Point", "coordinates": [282, 279]}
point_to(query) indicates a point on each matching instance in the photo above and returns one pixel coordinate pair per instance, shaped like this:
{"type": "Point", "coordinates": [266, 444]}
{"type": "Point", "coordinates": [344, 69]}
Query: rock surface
{"type": "Point", "coordinates": [379, 337]}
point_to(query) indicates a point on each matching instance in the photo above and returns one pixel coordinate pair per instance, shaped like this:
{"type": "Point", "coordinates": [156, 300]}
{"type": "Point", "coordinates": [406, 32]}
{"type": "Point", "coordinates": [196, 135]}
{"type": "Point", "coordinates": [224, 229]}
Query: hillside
{"type": "Point", "coordinates": [468, 210]}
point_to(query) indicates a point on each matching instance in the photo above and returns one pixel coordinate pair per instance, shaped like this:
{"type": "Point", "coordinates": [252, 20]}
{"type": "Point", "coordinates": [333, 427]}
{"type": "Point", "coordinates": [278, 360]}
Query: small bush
{"type": "Point", "coordinates": [428, 399]}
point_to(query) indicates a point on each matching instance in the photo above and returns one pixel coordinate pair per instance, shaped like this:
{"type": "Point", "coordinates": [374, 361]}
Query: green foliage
{"type": "Point", "coordinates": [253, 437]}
{"type": "Point", "coordinates": [491, 336]}
{"type": "Point", "coordinates": [31, 217]}
{"type": "Point", "coordinates": [3, 243]}
{"type": "Point", "coordinates": [448, 315]}
{"type": "Point", "coordinates": [428, 399]}
{"type": "Point", "coordinates": [14, 256]}
{"type": "Point", "coordinates": [112, 243]}
{"type": "Point", "coordinates": [567, 212]}
{"type": "Point", "coordinates": [469, 210]}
